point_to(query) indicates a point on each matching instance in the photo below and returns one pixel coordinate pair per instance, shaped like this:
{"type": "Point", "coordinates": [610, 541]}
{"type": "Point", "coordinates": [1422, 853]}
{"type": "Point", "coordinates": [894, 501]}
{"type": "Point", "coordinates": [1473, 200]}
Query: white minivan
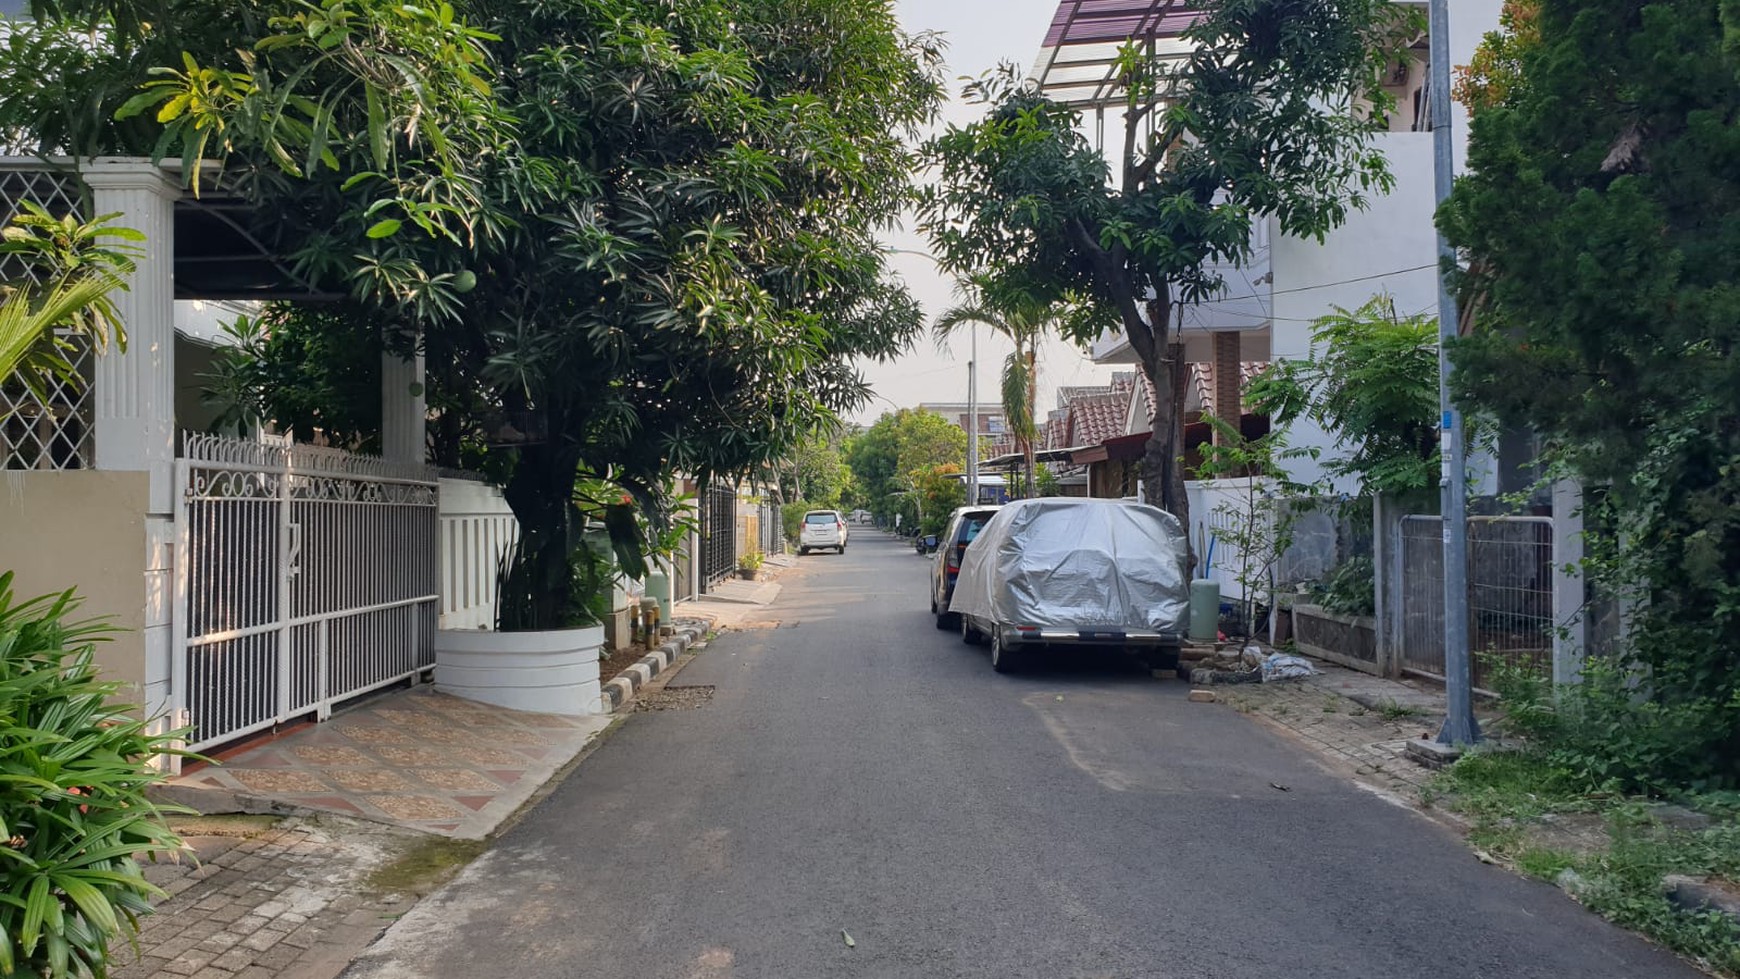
{"type": "Point", "coordinates": [823, 528]}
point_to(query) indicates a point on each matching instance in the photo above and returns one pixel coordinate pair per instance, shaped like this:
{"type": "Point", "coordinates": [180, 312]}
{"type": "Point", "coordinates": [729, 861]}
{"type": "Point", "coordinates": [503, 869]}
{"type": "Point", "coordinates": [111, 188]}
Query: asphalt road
{"type": "Point", "coordinates": [858, 771]}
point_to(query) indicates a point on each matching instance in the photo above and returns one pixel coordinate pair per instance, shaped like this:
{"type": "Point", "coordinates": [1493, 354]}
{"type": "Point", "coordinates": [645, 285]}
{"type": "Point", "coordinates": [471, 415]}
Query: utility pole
{"type": "Point", "coordinates": [1460, 728]}
{"type": "Point", "coordinates": [973, 420]}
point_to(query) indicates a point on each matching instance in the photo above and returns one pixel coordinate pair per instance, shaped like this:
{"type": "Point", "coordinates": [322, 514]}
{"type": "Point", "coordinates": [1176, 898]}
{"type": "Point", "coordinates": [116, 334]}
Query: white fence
{"type": "Point", "coordinates": [1214, 505]}
{"type": "Point", "coordinates": [477, 531]}
{"type": "Point", "coordinates": [305, 576]}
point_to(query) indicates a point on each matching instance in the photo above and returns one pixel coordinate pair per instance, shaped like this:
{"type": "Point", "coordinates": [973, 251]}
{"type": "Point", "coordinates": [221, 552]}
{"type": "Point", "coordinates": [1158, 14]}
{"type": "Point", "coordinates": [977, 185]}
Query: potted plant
{"type": "Point", "coordinates": [749, 566]}
{"type": "Point", "coordinates": [546, 670]}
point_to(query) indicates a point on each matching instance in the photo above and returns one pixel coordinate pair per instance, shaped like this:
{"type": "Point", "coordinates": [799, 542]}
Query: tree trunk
{"type": "Point", "coordinates": [1032, 466]}
{"type": "Point", "coordinates": [1163, 460]}
{"type": "Point", "coordinates": [538, 590]}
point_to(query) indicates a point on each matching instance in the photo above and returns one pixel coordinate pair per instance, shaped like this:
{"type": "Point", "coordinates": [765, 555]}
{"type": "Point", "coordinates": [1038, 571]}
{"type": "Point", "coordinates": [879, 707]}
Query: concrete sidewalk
{"type": "Point", "coordinates": [1358, 723]}
{"type": "Point", "coordinates": [417, 758]}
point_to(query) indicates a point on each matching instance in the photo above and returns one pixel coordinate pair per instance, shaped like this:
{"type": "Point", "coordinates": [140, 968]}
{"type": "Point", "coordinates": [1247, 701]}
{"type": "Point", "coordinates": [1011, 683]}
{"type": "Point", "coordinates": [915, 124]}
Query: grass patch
{"type": "Point", "coordinates": [423, 866]}
{"type": "Point", "coordinates": [1544, 822]}
{"type": "Point", "coordinates": [1389, 710]}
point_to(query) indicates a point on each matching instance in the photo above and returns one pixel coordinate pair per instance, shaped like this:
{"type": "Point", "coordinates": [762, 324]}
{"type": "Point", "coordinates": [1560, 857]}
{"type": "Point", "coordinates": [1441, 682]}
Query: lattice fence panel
{"type": "Point", "coordinates": [50, 429]}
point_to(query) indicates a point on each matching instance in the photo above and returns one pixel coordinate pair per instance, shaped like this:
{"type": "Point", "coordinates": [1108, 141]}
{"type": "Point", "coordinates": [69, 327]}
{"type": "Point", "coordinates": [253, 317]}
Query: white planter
{"type": "Point", "coordinates": [547, 672]}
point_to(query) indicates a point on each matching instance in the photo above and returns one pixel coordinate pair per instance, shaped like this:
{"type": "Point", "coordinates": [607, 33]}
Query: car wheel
{"type": "Point", "coordinates": [1002, 657]}
{"type": "Point", "coordinates": [970, 635]}
{"type": "Point", "coordinates": [933, 604]}
{"type": "Point", "coordinates": [803, 552]}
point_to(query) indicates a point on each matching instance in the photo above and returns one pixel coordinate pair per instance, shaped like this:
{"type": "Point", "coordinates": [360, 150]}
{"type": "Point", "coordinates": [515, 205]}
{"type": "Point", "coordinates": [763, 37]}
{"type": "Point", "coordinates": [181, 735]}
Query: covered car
{"type": "Point", "coordinates": [1070, 571]}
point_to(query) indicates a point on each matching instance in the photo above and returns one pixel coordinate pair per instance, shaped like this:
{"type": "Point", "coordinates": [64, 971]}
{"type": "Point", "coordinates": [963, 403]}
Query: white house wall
{"type": "Point", "coordinates": [1389, 248]}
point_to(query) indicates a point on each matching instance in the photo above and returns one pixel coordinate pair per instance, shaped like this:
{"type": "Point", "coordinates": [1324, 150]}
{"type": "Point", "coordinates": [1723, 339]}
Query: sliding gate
{"type": "Point", "coordinates": [304, 576]}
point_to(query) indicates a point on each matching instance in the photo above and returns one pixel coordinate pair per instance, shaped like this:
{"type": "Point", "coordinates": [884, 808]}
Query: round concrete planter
{"type": "Point", "coordinates": [547, 672]}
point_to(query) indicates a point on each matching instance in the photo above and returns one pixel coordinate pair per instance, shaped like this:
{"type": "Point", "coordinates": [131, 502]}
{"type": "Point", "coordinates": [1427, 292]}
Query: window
{"type": "Point", "coordinates": [820, 519]}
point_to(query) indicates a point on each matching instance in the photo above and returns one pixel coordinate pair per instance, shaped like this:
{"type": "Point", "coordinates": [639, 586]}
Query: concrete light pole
{"type": "Point", "coordinates": [973, 420]}
{"type": "Point", "coordinates": [1460, 727]}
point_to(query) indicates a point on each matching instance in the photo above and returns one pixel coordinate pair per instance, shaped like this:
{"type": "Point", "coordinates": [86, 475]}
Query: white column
{"type": "Point", "coordinates": [1571, 629]}
{"type": "Point", "coordinates": [404, 409]}
{"type": "Point", "coordinates": [135, 389]}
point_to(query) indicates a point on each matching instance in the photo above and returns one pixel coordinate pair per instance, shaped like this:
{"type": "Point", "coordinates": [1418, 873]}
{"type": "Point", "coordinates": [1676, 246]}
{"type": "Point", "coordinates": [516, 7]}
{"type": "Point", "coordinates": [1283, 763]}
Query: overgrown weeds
{"type": "Point", "coordinates": [1609, 849]}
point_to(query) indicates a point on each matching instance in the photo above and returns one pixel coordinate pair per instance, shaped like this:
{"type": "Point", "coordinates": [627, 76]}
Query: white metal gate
{"type": "Point", "coordinates": [304, 576]}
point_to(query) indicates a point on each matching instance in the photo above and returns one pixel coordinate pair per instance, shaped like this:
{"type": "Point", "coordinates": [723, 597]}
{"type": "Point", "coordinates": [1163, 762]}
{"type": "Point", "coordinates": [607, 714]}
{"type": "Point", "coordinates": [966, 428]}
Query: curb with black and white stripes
{"type": "Point", "coordinates": [621, 690]}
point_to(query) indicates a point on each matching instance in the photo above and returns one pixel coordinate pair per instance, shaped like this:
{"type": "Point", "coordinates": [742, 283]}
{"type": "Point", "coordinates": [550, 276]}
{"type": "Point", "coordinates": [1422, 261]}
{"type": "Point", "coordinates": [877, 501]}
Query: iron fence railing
{"type": "Point", "coordinates": [718, 536]}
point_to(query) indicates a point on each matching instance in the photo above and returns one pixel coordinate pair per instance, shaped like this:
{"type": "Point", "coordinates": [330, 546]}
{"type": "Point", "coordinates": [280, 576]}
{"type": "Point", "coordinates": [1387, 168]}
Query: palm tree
{"type": "Point", "coordinates": [29, 347]}
{"type": "Point", "coordinates": [1023, 322]}
{"type": "Point", "coordinates": [72, 268]}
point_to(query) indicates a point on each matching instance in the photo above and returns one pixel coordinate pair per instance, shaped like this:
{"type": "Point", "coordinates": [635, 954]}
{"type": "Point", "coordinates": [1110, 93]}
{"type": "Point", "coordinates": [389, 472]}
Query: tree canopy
{"type": "Point", "coordinates": [632, 237]}
{"type": "Point", "coordinates": [1257, 123]}
{"type": "Point", "coordinates": [1601, 224]}
{"type": "Point", "coordinates": [901, 456]}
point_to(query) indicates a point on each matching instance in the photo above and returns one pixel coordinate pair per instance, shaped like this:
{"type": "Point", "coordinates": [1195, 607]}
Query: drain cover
{"type": "Point", "coordinates": [675, 698]}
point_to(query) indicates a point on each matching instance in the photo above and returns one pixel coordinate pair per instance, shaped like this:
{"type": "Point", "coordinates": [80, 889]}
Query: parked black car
{"type": "Point", "coordinates": [963, 527]}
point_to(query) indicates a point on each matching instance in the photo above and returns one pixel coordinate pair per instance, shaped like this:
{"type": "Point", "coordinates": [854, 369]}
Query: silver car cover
{"type": "Point", "coordinates": [1067, 563]}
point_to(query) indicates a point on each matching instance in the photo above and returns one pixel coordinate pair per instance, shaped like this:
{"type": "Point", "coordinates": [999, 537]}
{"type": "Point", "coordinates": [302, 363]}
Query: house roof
{"type": "Point", "coordinates": [1077, 63]}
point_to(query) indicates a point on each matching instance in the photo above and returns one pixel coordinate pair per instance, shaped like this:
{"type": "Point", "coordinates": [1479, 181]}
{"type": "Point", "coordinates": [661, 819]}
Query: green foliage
{"type": "Point", "coordinates": [1250, 128]}
{"type": "Point", "coordinates": [791, 518]}
{"type": "Point", "coordinates": [70, 269]}
{"type": "Point", "coordinates": [817, 473]}
{"type": "Point", "coordinates": [1618, 863]}
{"type": "Point", "coordinates": [752, 561]}
{"type": "Point", "coordinates": [74, 817]}
{"type": "Point", "coordinates": [889, 457]}
{"type": "Point", "coordinates": [1045, 482]}
{"type": "Point", "coordinates": [631, 237]}
{"type": "Point", "coordinates": [1603, 731]}
{"type": "Point", "coordinates": [1373, 384]}
{"type": "Point", "coordinates": [1600, 277]}
{"type": "Point", "coordinates": [1023, 321]}
{"type": "Point", "coordinates": [939, 491]}
{"type": "Point", "coordinates": [307, 371]}
{"type": "Point", "coordinates": [1350, 589]}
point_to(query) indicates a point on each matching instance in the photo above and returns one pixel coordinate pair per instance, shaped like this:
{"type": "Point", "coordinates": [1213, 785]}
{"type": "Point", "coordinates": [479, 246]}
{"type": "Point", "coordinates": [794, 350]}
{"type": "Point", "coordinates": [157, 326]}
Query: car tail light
{"type": "Point", "coordinates": [1026, 629]}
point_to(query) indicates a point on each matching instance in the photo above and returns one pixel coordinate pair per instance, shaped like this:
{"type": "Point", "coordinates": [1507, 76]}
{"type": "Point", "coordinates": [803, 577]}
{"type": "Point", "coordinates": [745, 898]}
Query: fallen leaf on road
{"type": "Point", "coordinates": [1060, 697]}
{"type": "Point", "coordinates": [849, 942]}
{"type": "Point", "coordinates": [1278, 785]}
{"type": "Point", "coordinates": [1484, 857]}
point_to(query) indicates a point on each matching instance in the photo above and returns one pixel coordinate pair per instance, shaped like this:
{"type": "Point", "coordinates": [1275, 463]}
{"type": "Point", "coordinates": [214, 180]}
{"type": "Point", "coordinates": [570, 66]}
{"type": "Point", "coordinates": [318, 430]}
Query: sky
{"type": "Point", "coordinates": [978, 34]}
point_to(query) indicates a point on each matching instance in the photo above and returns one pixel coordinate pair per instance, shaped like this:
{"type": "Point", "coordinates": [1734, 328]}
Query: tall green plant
{"type": "Point", "coordinates": [1023, 322]}
{"type": "Point", "coordinates": [1597, 224]}
{"type": "Point", "coordinates": [1253, 125]}
{"type": "Point", "coordinates": [72, 268]}
{"type": "Point", "coordinates": [74, 817]}
{"type": "Point", "coordinates": [1372, 383]}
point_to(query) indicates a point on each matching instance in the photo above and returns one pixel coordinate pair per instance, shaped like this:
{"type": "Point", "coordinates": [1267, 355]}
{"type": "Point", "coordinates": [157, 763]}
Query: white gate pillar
{"type": "Point", "coordinates": [404, 409]}
{"type": "Point", "coordinates": [134, 395]}
{"type": "Point", "coordinates": [135, 389]}
{"type": "Point", "coordinates": [1570, 624]}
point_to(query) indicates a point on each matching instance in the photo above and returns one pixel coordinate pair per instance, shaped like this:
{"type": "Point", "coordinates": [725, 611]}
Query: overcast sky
{"type": "Point", "coordinates": [979, 34]}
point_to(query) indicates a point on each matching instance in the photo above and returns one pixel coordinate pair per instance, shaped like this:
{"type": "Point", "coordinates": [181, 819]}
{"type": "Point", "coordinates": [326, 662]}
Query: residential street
{"type": "Point", "coordinates": [856, 770]}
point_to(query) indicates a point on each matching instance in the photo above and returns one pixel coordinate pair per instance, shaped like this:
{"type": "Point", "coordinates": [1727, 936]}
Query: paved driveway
{"type": "Point", "coordinates": [856, 770]}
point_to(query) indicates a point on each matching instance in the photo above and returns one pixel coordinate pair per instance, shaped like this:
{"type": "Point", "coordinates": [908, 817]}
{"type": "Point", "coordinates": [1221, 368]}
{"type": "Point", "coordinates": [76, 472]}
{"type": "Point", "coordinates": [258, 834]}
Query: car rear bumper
{"type": "Point", "coordinates": [1091, 637]}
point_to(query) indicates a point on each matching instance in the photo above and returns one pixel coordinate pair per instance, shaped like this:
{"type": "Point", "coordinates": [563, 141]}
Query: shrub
{"type": "Point", "coordinates": [1609, 730]}
{"type": "Point", "coordinates": [74, 766]}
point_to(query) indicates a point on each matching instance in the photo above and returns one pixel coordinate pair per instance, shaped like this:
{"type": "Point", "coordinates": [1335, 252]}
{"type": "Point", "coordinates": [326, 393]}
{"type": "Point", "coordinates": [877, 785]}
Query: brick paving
{"type": "Point", "coordinates": [1357, 723]}
{"type": "Point", "coordinates": [417, 758]}
{"type": "Point", "coordinates": [267, 899]}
